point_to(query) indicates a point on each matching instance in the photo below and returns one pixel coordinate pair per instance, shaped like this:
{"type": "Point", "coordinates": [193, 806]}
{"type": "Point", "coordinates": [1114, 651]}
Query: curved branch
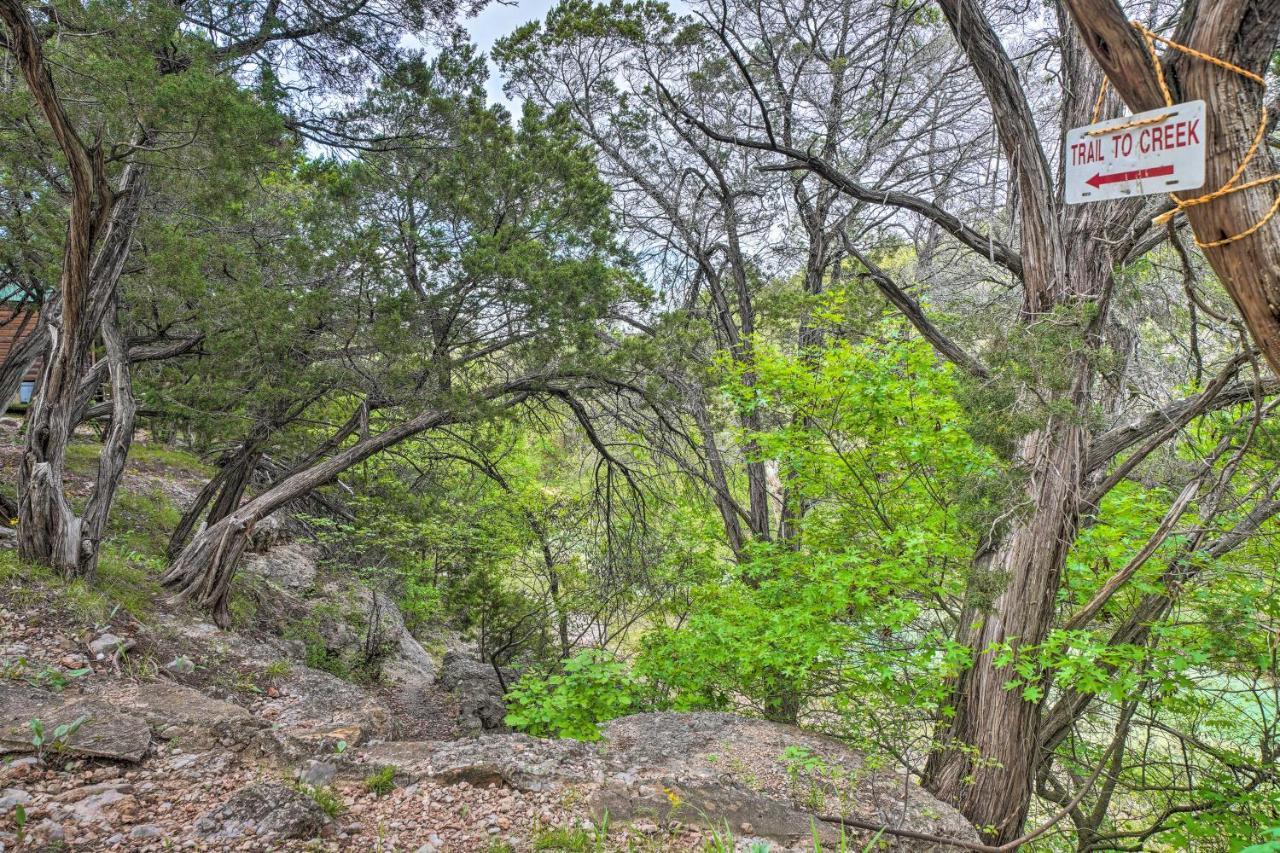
{"type": "Point", "coordinates": [983, 244]}
{"type": "Point", "coordinates": [911, 310]}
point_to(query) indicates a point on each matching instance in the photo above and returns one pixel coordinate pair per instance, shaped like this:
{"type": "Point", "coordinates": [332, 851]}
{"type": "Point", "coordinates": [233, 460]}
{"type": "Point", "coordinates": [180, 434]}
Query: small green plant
{"type": "Point", "coordinates": [49, 677]}
{"type": "Point", "coordinates": [325, 797]}
{"type": "Point", "coordinates": [602, 830]}
{"type": "Point", "coordinates": [575, 838]}
{"type": "Point", "coordinates": [340, 747]}
{"type": "Point", "coordinates": [842, 845]}
{"type": "Point", "coordinates": [563, 838]}
{"type": "Point", "coordinates": [56, 679]}
{"type": "Point", "coordinates": [381, 782]}
{"type": "Point", "coordinates": [20, 821]}
{"type": "Point", "coordinates": [277, 669]}
{"type": "Point", "coordinates": [721, 840]}
{"type": "Point", "coordinates": [812, 777]}
{"type": "Point", "coordinates": [42, 740]}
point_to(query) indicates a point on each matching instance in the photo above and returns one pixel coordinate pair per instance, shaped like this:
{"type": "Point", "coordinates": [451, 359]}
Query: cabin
{"type": "Point", "coordinates": [18, 316]}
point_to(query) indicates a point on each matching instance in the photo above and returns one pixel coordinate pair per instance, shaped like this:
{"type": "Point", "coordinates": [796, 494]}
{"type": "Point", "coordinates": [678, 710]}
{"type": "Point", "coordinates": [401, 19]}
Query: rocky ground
{"type": "Point", "coordinates": [157, 731]}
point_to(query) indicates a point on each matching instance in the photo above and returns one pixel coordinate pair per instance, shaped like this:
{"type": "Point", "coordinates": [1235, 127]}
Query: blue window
{"type": "Point", "coordinates": [26, 391]}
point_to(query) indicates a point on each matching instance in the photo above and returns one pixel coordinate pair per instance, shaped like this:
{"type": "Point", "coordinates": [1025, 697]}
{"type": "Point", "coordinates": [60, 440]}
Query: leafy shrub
{"type": "Point", "coordinates": [594, 687]}
{"type": "Point", "coordinates": [421, 605]}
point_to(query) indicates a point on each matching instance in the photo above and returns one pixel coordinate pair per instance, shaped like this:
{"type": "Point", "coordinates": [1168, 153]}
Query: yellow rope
{"type": "Point", "coordinates": [1137, 122]}
{"type": "Point", "coordinates": [1230, 186]}
{"type": "Point", "coordinates": [1191, 51]}
{"type": "Point", "coordinates": [1097, 105]}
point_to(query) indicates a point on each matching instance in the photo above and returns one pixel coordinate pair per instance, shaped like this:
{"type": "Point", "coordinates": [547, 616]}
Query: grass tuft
{"type": "Point", "coordinates": [381, 782]}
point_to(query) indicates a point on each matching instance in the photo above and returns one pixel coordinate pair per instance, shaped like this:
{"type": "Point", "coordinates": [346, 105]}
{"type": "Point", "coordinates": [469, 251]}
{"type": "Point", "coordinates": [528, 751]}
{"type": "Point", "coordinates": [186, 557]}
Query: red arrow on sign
{"type": "Point", "coordinates": [1137, 174]}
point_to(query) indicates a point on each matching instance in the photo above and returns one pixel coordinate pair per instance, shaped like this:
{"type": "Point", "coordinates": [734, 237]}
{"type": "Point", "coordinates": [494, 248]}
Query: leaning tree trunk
{"type": "Point", "coordinates": [225, 490]}
{"type": "Point", "coordinates": [202, 573]}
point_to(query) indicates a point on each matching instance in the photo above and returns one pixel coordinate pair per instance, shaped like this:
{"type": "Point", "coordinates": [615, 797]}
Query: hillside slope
{"type": "Point", "coordinates": [129, 724]}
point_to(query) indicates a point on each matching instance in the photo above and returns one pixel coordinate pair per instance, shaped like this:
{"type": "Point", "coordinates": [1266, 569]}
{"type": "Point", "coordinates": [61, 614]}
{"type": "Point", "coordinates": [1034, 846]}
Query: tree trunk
{"type": "Point", "coordinates": [721, 494]}
{"type": "Point", "coordinates": [115, 445]}
{"type": "Point", "coordinates": [49, 533]}
{"type": "Point", "coordinates": [202, 573]}
{"type": "Point", "coordinates": [225, 489]}
{"type": "Point", "coordinates": [191, 516]}
{"type": "Point", "coordinates": [985, 760]}
{"type": "Point", "coordinates": [234, 487]}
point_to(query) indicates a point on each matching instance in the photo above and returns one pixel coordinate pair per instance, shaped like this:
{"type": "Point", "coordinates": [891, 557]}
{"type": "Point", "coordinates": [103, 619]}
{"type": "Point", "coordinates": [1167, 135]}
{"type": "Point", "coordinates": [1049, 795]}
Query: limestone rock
{"type": "Point", "coordinates": [318, 773]}
{"type": "Point", "coordinates": [269, 808]}
{"type": "Point", "coordinates": [11, 798]}
{"type": "Point", "coordinates": [103, 733]}
{"type": "Point", "coordinates": [172, 710]}
{"type": "Point", "coordinates": [763, 779]}
{"type": "Point", "coordinates": [270, 531]}
{"type": "Point", "coordinates": [368, 625]}
{"type": "Point", "coordinates": [317, 705]}
{"type": "Point", "coordinates": [292, 567]}
{"type": "Point", "coordinates": [96, 805]}
{"type": "Point", "coordinates": [180, 665]}
{"type": "Point", "coordinates": [108, 645]}
{"type": "Point", "coordinates": [479, 692]}
{"type": "Point", "coordinates": [711, 768]}
{"type": "Point", "coordinates": [517, 761]}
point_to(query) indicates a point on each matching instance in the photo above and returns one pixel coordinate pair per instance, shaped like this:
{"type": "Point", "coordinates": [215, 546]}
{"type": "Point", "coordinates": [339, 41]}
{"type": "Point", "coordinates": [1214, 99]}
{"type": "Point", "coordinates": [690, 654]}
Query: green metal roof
{"type": "Point", "coordinates": [12, 293]}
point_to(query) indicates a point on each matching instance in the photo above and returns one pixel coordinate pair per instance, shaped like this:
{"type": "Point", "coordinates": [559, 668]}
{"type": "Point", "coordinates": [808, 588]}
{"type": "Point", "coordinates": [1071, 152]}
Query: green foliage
{"type": "Point", "coordinates": [56, 740]}
{"type": "Point", "coordinates": [459, 247]}
{"type": "Point", "coordinates": [592, 688]}
{"type": "Point", "coordinates": [329, 801]}
{"type": "Point", "coordinates": [131, 558]}
{"type": "Point", "coordinates": [53, 678]}
{"type": "Point", "coordinates": [381, 782]}
{"type": "Point", "coordinates": [317, 655]}
{"type": "Point", "coordinates": [1270, 845]}
{"type": "Point", "coordinates": [876, 426]}
{"type": "Point", "coordinates": [563, 838]}
{"type": "Point", "coordinates": [575, 838]}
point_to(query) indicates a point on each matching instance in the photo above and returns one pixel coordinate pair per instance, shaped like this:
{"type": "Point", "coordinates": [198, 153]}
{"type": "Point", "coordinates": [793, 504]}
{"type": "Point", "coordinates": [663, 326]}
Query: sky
{"type": "Point", "coordinates": [496, 21]}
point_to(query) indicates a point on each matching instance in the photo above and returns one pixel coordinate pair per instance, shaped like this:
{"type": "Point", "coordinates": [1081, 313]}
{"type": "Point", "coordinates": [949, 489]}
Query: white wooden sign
{"type": "Point", "coordinates": [1158, 151]}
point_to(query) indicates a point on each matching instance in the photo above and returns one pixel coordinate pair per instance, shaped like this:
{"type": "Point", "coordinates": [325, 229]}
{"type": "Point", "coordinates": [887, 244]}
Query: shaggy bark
{"type": "Point", "coordinates": [49, 532]}
{"type": "Point", "coordinates": [203, 571]}
{"type": "Point", "coordinates": [115, 447]}
{"type": "Point", "coordinates": [987, 760]}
